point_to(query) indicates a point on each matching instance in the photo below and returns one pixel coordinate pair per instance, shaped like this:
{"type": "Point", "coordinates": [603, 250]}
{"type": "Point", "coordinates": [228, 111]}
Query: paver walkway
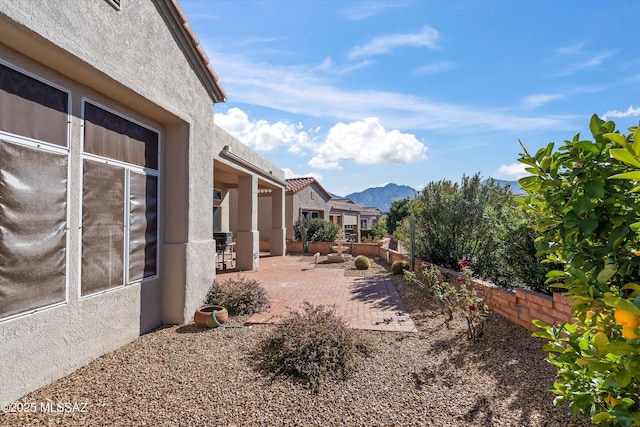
{"type": "Point", "coordinates": [371, 303]}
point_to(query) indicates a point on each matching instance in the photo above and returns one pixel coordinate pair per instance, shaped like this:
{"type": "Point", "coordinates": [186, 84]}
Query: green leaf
{"type": "Point", "coordinates": [616, 237]}
{"type": "Point", "coordinates": [601, 417]}
{"type": "Point", "coordinates": [623, 378]}
{"type": "Point", "coordinates": [596, 189]}
{"type": "Point", "coordinates": [625, 156]}
{"type": "Point", "coordinates": [587, 226]}
{"type": "Point", "coordinates": [600, 341]}
{"type": "Point", "coordinates": [606, 273]}
{"type": "Point", "coordinates": [622, 303]}
{"type": "Point", "coordinates": [616, 137]}
{"type": "Point", "coordinates": [620, 348]}
{"type": "Point", "coordinates": [627, 175]}
{"type": "Point", "coordinates": [582, 204]}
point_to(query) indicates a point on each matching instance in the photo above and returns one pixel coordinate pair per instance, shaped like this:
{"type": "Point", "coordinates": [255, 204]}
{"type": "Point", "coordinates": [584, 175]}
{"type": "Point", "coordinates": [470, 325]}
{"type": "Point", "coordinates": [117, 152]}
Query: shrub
{"type": "Point", "coordinates": [317, 230]}
{"type": "Point", "coordinates": [238, 295]}
{"type": "Point", "coordinates": [362, 262]}
{"type": "Point", "coordinates": [585, 195]}
{"type": "Point", "coordinates": [313, 345]}
{"type": "Point", "coordinates": [398, 267]}
{"type": "Point", "coordinates": [461, 299]}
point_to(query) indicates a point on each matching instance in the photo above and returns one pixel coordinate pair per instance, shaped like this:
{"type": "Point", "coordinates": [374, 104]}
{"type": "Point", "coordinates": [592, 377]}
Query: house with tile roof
{"type": "Point", "coordinates": [109, 156]}
{"type": "Point", "coordinates": [306, 197]}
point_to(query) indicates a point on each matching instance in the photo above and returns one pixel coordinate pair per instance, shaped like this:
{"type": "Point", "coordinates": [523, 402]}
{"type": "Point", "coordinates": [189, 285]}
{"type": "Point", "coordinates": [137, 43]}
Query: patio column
{"type": "Point", "coordinates": [278, 245]}
{"type": "Point", "coordinates": [248, 239]}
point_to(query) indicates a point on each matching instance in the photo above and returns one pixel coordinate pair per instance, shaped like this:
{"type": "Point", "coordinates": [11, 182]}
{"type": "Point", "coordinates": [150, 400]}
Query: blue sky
{"type": "Point", "coordinates": [362, 93]}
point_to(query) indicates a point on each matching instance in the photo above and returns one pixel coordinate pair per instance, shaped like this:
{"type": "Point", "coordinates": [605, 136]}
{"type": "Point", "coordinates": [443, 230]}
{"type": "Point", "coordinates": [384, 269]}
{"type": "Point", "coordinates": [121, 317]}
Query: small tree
{"type": "Point", "coordinates": [398, 211]}
{"type": "Point", "coordinates": [586, 196]}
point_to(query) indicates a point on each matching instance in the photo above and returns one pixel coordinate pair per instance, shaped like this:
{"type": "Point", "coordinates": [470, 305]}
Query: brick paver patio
{"type": "Point", "coordinates": [371, 303]}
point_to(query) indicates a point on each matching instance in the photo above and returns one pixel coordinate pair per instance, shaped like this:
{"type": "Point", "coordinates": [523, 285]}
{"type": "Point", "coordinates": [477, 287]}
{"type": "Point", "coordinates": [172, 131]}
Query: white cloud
{"type": "Point", "coordinates": [535, 101]}
{"type": "Point", "coordinates": [386, 43]}
{"type": "Point", "coordinates": [302, 90]}
{"type": "Point", "coordinates": [631, 112]}
{"type": "Point", "coordinates": [367, 142]}
{"type": "Point", "coordinates": [513, 171]}
{"type": "Point", "coordinates": [438, 67]}
{"type": "Point", "coordinates": [260, 134]}
{"type": "Point", "coordinates": [595, 61]}
{"type": "Point", "coordinates": [365, 10]}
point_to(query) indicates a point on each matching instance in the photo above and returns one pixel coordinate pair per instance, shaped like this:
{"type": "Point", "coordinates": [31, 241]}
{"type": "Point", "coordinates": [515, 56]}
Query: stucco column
{"type": "Point", "coordinates": [278, 245]}
{"type": "Point", "coordinates": [248, 239]}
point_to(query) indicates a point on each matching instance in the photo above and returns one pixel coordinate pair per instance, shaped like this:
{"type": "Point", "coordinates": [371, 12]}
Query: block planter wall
{"type": "Point", "coordinates": [520, 306]}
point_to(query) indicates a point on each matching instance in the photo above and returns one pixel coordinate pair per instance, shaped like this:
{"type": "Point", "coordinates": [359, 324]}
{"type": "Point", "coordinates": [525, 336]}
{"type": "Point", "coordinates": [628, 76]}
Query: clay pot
{"type": "Point", "coordinates": [204, 316]}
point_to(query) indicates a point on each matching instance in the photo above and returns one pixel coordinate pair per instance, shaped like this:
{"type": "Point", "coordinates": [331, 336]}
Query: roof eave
{"type": "Point", "coordinates": [194, 52]}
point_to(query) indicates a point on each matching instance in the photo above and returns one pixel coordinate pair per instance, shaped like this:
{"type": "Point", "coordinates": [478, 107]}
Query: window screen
{"type": "Point", "coordinates": [143, 226]}
{"type": "Point", "coordinates": [32, 108]}
{"type": "Point", "coordinates": [120, 201]}
{"type": "Point", "coordinates": [33, 222]}
{"type": "Point", "coordinates": [103, 192]}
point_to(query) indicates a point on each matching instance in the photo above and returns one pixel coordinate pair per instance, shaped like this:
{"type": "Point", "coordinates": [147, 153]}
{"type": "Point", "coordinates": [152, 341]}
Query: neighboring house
{"type": "Point", "coordinates": [108, 160]}
{"type": "Point", "coordinates": [353, 217]}
{"type": "Point", "coordinates": [305, 197]}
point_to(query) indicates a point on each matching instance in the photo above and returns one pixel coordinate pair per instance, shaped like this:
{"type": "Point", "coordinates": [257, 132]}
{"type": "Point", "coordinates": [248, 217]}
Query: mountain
{"type": "Point", "coordinates": [515, 187]}
{"type": "Point", "coordinates": [381, 197]}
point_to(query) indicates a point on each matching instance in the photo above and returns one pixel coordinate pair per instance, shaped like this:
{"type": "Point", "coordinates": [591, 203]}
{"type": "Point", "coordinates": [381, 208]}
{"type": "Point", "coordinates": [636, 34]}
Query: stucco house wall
{"type": "Point", "coordinates": [131, 62]}
{"type": "Point", "coordinates": [310, 198]}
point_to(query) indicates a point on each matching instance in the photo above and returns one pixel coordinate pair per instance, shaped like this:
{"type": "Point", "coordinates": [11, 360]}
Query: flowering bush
{"type": "Point", "coordinates": [461, 298]}
{"type": "Point", "coordinates": [238, 295]}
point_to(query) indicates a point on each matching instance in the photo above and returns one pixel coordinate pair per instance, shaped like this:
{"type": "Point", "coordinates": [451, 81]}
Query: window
{"type": "Point", "coordinates": [120, 198]}
{"type": "Point", "coordinates": [34, 158]}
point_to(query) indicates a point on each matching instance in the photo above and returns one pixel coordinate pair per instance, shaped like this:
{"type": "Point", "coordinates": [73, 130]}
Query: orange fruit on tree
{"type": "Point", "coordinates": [629, 333]}
{"type": "Point", "coordinates": [626, 318]}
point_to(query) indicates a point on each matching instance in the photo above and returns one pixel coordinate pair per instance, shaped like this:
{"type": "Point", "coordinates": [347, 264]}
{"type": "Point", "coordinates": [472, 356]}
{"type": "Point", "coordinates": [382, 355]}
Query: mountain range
{"type": "Point", "coordinates": [382, 197]}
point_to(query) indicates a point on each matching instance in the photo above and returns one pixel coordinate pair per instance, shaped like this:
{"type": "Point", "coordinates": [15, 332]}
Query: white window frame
{"type": "Point", "coordinates": [54, 148]}
{"type": "Point", "coordinates": [128, 167]}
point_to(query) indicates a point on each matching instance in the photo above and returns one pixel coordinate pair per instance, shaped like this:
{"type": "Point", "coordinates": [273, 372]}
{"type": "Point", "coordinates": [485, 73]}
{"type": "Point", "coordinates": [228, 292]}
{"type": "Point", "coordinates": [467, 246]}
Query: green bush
{"type": "Point", "coordinates": [313, 345]}
{"type": "Point", "coordinates": [362, 262]}
{"type": "Point", "coordinates": [317, 229]}
{"type": "Point", "coordinates": [398, 267]}
{"type": "Point", "coordinates": [479, 222]}
{"type": "Point", "coordinates": [238, 295]}
{"type": "Point", "coordinates": [585, 194]}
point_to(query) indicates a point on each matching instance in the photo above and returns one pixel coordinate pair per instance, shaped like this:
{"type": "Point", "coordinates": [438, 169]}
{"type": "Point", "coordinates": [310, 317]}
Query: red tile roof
{"type": "Point", "coordinates": [220, 94]}
{"type": "Point", "coordinates": [296, 184]}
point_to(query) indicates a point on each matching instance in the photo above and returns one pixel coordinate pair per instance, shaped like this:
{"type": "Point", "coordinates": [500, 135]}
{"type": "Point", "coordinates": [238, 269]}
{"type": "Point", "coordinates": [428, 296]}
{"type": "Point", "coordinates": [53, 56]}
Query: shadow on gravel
{"type": "Point", "coordinates": [191, 328]}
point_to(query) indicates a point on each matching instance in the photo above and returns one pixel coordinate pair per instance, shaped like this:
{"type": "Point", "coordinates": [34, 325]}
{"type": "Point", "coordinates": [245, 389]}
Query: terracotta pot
{"type": "Point", "coordinates": [204, 316]}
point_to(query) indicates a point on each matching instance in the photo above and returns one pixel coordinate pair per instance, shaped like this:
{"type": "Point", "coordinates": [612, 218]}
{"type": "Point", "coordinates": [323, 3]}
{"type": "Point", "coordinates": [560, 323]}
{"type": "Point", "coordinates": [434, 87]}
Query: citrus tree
{"type": "Point", "coordinates": [586, 197]}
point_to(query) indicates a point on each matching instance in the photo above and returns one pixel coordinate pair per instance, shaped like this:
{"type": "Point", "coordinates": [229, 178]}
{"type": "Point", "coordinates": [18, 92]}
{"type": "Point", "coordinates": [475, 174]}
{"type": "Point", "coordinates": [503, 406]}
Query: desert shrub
{"type": "Point", "coordinates": [398, 267]}
{"type": "Point", "coordinates": [313, 345]}
{"type": "Point", "coordinates": [362, 262]}
{"type": "Point", "coordinates": [238, 295]}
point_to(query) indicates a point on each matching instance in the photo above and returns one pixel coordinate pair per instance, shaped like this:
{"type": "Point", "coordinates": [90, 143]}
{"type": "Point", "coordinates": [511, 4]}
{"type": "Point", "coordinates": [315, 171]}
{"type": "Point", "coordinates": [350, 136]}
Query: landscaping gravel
{"type": "Point", "coordinates": [187, 376]}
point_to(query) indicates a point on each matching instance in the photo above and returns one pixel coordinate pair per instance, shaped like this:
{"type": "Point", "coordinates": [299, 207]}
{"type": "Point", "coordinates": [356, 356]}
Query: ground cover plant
{"type": "Point", "coordinates": [238, 295]}
{"type": "Point", "coordinates": [586, 196]}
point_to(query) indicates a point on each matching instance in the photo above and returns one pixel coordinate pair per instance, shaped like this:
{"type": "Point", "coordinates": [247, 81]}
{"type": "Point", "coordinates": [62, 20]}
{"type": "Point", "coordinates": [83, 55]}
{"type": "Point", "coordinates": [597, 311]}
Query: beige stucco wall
{"type": "Point", "coordinates": [308, 198]}
{"type": "Point", "coordinates": [127, 60]}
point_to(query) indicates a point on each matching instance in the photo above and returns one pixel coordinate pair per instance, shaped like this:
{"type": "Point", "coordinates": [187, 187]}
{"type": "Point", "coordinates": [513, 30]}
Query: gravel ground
{"type": "Point", "coordinates": [187, 376]}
